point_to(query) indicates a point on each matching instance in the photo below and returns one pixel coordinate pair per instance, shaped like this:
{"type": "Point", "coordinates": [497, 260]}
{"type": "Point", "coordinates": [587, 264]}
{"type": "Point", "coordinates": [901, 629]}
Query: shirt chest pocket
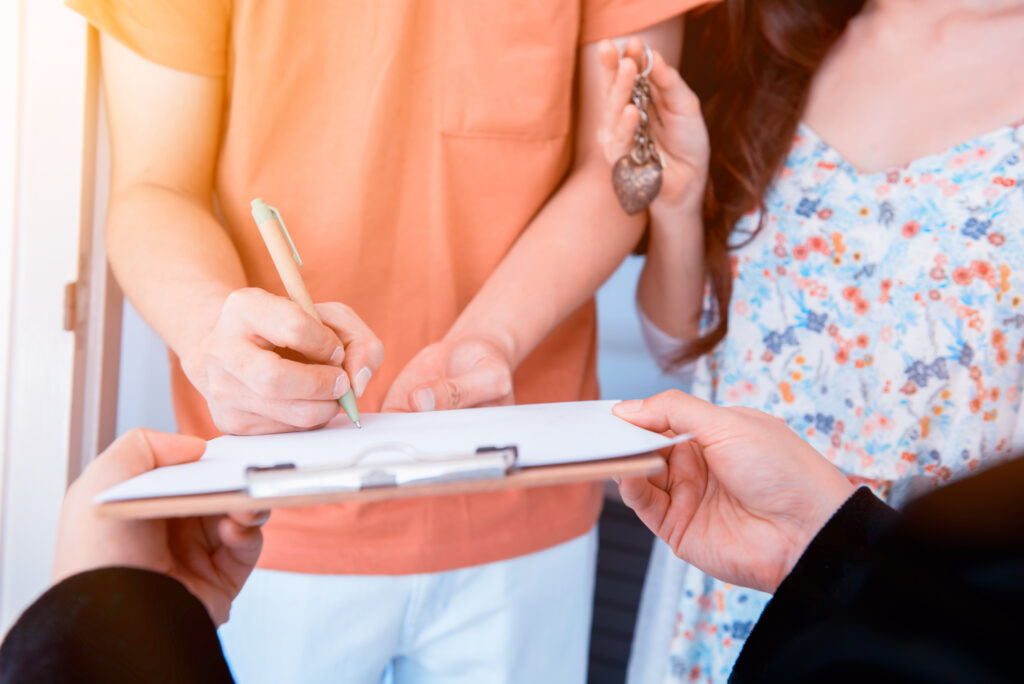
{"type": "Point", "coordinates": [507, 68]}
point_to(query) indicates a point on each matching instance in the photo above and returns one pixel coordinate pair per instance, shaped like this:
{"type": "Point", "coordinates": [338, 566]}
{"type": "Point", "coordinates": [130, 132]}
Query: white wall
{"type": "Point", "coordinates": [48, 99]}
{"type": "Point", "coordinates": [144, 388]}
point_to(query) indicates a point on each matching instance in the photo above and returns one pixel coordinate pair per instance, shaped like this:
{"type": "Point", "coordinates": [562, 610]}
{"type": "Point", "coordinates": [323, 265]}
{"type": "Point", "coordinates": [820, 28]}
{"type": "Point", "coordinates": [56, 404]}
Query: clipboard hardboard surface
{"type": "Point", "coordinates": [453, 452]}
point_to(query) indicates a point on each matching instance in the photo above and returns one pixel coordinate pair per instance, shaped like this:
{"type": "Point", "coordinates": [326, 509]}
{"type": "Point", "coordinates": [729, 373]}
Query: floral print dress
{"type": "Point", "coordinates": [882, 316]}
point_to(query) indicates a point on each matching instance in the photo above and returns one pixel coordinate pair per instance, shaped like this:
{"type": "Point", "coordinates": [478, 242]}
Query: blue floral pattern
{"type": "Point", "coordinates": [880, 315]}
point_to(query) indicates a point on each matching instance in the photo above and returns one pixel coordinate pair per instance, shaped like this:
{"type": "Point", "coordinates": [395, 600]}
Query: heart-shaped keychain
{"type": "Point", "coordinates": [636, 177]}
{"type": "Point", "coordinates": [636, 184]}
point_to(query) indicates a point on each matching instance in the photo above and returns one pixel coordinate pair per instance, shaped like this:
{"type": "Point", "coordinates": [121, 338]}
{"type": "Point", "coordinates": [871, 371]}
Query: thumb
{"type": "Point", "coordinates": [136, 452]}
{"type": "Point", "coordinates": [168, 449]}
{"type": "Point", "coordinates": [484, 384]}
{"type": "Point", "coordinates": [676, 411]}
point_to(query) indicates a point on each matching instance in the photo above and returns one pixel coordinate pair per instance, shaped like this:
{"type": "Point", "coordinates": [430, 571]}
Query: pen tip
{"type": "Point", "coordinates": [359, 425]}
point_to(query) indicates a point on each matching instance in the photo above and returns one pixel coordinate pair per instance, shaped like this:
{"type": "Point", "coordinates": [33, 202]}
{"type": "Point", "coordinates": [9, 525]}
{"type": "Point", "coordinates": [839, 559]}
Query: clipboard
{"type": "Point", "coordinates": [399, 468]}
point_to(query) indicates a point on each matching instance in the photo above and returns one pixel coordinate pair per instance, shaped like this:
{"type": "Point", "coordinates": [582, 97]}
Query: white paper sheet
{"type": "Point", "coordinates": [544, 434]}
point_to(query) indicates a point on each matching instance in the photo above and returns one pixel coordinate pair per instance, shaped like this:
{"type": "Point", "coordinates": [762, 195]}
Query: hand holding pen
{"type": "Point", "coordinates": [287, 261]}
{"type": "Point", "coordinates": [268, 365]}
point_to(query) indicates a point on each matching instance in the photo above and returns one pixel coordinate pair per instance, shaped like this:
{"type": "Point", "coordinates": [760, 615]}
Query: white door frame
{"type": "Point", "coordinates": [99, 301]}
{"type": "Point", "coordinates": [52, 379]}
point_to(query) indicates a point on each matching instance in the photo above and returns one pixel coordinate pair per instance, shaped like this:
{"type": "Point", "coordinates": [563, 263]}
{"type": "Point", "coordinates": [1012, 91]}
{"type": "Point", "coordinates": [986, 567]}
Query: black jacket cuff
{"type": "Point", "coordinates": [830, 571]}
{"type": "Point", "coordinates": [114, 625]}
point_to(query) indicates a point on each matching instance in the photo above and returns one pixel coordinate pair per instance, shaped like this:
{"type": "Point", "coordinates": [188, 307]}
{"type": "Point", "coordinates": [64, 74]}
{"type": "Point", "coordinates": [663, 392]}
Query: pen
{"type": "Point", "coordinates": [286, 261]}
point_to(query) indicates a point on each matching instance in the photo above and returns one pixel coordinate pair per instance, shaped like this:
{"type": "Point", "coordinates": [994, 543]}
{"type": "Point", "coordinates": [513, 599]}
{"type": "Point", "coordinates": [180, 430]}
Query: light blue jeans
{"type": "Point", "coordinates": [522, 620]}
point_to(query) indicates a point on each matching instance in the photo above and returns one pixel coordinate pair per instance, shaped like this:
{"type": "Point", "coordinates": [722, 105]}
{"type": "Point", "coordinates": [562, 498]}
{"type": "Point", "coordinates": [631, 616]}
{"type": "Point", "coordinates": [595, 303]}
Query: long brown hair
{"type": "Point", "coordinates": [751, 63]}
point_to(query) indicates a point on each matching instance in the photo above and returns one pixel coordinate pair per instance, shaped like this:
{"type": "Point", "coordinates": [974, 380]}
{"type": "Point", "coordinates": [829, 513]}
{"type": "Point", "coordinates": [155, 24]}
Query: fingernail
{"type": "Point", "coordinates": [340, 385]}
{"type": "Point", "coordinates": [337, 356]}
{"type": "Point", "coordinates": [631, 406]}
{"type": "Point", "coordinates": [424, 399]}
{"type": "Point", "coordinates": [362, 377]}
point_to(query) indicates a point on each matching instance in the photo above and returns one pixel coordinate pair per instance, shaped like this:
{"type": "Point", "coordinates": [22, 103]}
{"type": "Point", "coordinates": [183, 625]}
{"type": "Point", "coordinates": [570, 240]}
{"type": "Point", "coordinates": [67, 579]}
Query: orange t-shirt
{"type": "Point", "coordinates": [407, 143]}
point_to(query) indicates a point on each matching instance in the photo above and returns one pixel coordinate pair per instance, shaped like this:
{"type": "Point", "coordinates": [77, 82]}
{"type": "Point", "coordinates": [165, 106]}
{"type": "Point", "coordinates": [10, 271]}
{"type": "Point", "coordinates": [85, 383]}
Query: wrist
{"type": "Point", "coordinates": [678, 225]}
{"type": "Point", "coordinates": [687, 208]}
{"type": "Point", "coordinates": [676, 242]}
{"type": "Point", "coordinates": [688, 202]}
{"type": "Point", "coordinates": [189, 344]}
{"type": "Point", "coordinates": [831, 498]}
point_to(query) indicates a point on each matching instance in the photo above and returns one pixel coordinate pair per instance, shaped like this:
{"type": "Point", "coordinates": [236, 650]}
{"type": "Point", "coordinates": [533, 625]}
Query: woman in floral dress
{"type": "Point", "coordinates": [845, 253]}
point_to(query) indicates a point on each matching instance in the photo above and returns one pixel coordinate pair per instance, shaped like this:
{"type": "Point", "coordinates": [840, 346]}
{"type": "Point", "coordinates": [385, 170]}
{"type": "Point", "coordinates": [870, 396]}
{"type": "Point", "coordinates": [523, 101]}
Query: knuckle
{"type": "Point", "coordinates": [337, 309]}
{"type": "Point", "coordinates": [325, 383]}
{"type": "Point", "coordinates": [240, 298]}
{"type": "Point", "coordinates": [135, 433]}
{"type": "Point", "coordinates": [504, 383]}
{"type": "Point", "coordinates": [292, 330]}
{"type": "Point", "coordinates": [269, 381]}
{"type": "Point", "coordinates": [454, 393]}
{"type": "Point", "coordinates": [376, 351]}
{"type": "Point", "coordinates": [261, 375]}
{"type": "Point", "coordinates": [691, 103]}
{"type": "Point", "coordinates": [672, 395]}
{"type": "Point", "coordinates": [312, 416]}
{"type": "Point", "coordinates": [233, 300]}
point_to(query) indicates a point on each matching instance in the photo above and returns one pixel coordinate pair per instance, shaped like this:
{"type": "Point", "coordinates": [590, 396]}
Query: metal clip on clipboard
{"type": "Point", "coordinates": [287, 480]}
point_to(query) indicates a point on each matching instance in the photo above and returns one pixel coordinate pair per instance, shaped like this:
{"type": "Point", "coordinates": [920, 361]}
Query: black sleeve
{"type": "Point", "coordinates": [114, 625]}
{"type": "Point", "coordinates": [831, 570]}
{"type": "Point", "coordinates": [934, 595]}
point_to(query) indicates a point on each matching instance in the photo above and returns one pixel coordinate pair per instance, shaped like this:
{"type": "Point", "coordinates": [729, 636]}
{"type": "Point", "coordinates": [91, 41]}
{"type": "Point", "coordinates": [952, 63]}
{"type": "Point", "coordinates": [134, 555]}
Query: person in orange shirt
{"type": "Point", "coordinates": [437, 164]}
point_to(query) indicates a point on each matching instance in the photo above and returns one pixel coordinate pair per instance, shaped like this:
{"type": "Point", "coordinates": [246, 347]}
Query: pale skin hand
{"type": "Point", "coordinates": [472, 371]}
{"type": "Point", "coordinates": [743, 499]}
{"type": "Point", "coordinates": [239, 346]}
{"type": "Point", "coordinates": [672, 283]}
{"type": "Point", "coordinates": [678, 126]}
{"type": "Point", "coordinates": [252, 386]}
{"type": "Point", "coordinates": [573, 244]}
{"type": "Point", "coordinates": [212, 556]}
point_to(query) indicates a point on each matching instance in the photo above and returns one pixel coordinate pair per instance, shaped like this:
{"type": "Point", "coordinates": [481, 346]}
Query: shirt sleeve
{"type": "Point", "coordinates": [611, 18]}
{"type": "Point", "coordinates": [187, 35]}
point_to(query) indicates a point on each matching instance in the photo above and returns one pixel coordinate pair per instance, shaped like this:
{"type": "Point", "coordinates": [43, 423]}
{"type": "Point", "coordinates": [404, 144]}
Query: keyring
{"type": "Point", "coordinates": [648, 58]}
{"type": "Point", "coordinates": [636, 176]}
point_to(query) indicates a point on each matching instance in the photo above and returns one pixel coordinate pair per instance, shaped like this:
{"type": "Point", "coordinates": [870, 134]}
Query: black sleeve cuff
{"type": "Point", "coordinates": [114, 625]}
{"type": "Point", "coordinates": [830, 572]}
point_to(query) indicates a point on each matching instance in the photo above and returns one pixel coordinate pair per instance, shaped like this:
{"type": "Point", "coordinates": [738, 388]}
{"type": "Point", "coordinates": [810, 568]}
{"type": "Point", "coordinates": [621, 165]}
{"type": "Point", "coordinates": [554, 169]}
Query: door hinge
{"type": "Point", "coordinates": [75, 304]}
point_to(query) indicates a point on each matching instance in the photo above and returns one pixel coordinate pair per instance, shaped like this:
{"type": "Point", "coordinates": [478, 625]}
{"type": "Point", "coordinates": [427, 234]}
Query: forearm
{"type": "Point", "coordinates": [170, 255]}
{"type": "Point", "coordinates": [173, 260]}
{"type": "Point", "coordinates": [570, 248]}
{"type": "Point", "coordinates": [671, 287]}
